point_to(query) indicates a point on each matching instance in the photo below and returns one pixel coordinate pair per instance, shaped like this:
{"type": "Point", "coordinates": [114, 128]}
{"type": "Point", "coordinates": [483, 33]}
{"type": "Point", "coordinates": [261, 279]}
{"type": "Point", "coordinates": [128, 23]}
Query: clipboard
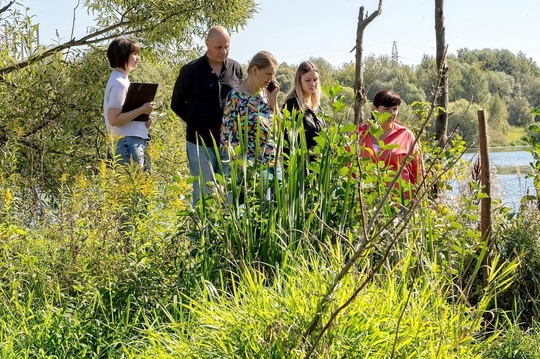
{"type": "Point", "coordinates": [137, 95]}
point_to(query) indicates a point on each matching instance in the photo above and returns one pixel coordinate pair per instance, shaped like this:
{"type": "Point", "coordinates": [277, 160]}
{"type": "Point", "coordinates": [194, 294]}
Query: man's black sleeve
{"type": "Point", "coordinates": [179, 100]}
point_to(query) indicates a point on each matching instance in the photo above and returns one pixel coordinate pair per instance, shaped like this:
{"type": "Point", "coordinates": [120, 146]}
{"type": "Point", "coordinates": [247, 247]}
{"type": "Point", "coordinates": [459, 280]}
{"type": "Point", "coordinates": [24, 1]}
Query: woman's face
{"type": "Point", "coordinates": [393, 111]}
{"type": "Point", "coordinates": [264, 75]}
{"type": "Point", "coordinates": [309, 82]}
{"type": "Point", "coordinates": [133, 60]}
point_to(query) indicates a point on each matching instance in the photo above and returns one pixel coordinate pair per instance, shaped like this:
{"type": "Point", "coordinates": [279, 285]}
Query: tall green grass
{"type": "Point", "coordinates": [342, 206]}
{"type": "Point", "coordinates": [326, 268]}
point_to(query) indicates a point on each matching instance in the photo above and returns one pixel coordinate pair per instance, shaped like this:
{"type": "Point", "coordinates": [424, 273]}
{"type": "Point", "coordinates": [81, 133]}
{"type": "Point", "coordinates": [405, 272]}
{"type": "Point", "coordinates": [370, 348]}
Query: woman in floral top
{"type": "Point", "coordinates": [249, 112]}
{"type": "Point", "coordinates": [248, 119]}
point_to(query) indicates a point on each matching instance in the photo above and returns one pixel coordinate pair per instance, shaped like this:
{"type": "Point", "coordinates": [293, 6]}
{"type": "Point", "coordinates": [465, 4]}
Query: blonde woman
{"type": "Point", "coordinates": [250, 108]}
{"type": "Point", "coordinates": [305, 97]}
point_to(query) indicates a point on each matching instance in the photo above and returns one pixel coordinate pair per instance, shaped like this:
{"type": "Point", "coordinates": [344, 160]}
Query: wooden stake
{"type": "Point", "coordinates": [485, 203]}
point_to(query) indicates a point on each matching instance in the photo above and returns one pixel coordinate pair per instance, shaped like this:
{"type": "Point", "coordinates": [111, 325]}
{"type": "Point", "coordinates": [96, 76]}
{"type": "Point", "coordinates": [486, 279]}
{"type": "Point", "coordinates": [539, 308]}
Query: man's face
{"type": "Point", "coordinates": [217, 48]}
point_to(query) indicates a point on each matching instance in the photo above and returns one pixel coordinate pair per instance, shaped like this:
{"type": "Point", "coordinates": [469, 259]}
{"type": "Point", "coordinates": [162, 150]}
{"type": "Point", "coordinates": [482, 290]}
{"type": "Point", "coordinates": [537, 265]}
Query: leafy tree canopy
{"type": "Point", "coordinates": [168, 26]}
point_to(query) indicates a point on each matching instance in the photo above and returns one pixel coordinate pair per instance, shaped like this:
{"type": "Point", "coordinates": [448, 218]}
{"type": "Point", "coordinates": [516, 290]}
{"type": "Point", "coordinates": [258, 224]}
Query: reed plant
{"type": "Point", "coordinates": [340, 205]}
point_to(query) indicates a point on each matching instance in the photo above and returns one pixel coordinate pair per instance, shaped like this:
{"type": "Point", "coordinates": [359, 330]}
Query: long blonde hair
{"type": "Point", "coordinates": [314, 101]}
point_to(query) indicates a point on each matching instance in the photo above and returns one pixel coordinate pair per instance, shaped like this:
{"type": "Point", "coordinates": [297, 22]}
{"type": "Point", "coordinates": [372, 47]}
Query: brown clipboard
{"type": "Point", "coordinates": [138, 94]}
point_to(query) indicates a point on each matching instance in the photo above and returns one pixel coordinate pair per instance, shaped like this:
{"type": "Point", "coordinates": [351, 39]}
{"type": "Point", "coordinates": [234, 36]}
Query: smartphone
{"type": "Point", "coordinates": [271, 86]}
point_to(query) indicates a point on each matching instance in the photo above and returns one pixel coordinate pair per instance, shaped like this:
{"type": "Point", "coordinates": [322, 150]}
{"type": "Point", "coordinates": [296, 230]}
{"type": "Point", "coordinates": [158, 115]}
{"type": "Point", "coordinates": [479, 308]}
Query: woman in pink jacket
{"type": "Point", "coordinates": [393, 133]}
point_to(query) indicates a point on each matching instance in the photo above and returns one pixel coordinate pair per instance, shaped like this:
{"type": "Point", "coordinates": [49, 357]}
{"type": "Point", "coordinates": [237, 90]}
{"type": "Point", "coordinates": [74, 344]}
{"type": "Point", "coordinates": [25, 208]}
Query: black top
{"type": "Point", "coordinates": [199, 94]}
{"type": "Point", "coordinates": [312, 123]}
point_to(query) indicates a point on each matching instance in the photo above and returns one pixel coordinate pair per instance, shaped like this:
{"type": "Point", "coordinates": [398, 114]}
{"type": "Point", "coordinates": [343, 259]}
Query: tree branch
{"type": "Point", "coordinates": [93, 38]}
{"type": "Point", "coordinates": [365, 22]}
{"type": "Point", "coordinates": [5, 8]}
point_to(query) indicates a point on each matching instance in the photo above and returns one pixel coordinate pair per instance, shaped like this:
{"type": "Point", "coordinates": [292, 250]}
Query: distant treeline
{"type": "Point", "coordinates": [505, 85]}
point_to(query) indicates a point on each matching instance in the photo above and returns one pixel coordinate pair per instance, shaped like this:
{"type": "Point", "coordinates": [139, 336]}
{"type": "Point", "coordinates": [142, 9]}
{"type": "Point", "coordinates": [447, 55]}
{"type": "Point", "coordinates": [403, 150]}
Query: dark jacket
{"type": "Point", "coordinates": [312, 123]}
{"type": "Point", "coordinates": [198, 97]}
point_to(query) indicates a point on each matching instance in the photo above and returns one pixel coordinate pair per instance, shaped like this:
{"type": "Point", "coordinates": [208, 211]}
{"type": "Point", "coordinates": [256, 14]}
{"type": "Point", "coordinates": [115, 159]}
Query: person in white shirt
{"type": "Point", "coordinates": [131, 136]}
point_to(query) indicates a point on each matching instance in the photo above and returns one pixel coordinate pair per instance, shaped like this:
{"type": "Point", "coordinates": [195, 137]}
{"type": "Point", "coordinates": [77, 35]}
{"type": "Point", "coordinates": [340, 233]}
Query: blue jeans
{"type": "Point", "coordinates": [131, 148]}
{"type": "Point", "coordinates": [203, 166]}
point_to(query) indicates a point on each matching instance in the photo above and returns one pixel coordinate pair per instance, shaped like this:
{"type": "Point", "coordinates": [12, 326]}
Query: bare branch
{"type": "Point", "coordinates": [359, 90]}
{"type": "Point", "coordinates": [365, 22]}
{"type": "Point", "coordinates": [87, 40]}
{"type": "Point", "coordinates": [74, 20]}
{"type": "Point", "coordinates": [6, 8]}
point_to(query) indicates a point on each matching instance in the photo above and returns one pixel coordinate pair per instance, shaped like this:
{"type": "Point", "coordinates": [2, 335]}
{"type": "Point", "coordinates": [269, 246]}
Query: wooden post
{"type": "Point", "coordinates": [485, 203]}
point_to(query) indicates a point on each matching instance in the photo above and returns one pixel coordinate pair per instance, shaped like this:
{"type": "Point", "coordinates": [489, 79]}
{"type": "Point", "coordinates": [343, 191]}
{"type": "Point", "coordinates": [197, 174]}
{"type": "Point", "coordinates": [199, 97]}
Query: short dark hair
{"type": "Point", "coordinates": [386, 98]}
{"type": "Point", "coordinates": [119, 51]}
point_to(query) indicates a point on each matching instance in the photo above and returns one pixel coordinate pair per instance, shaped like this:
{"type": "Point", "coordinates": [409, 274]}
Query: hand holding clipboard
{"type": "Point", "coordinates": [139, 93]}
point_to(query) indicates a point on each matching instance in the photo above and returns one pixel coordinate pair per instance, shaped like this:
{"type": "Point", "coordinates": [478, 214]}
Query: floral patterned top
{"type": "Point", "coordinates": [244, 113]}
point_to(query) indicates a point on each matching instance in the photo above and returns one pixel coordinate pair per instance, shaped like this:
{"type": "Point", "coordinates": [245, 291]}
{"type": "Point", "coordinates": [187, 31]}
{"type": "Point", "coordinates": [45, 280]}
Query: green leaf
{"type": "Point", "coordinates": [338, 106]}
{"type": "Point", "coordinates": [347, 128]}
{"type": "Point", "coordinates": [456, 225]}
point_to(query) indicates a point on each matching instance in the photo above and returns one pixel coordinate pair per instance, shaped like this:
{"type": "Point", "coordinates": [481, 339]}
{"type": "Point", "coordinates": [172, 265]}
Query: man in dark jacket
{"type": "Point", "coordinates": [198, 96]}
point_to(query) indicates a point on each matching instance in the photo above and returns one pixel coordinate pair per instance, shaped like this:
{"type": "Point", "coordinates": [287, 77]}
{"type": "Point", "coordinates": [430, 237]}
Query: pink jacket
{"type": "Point", "coordinates": [413, 171]}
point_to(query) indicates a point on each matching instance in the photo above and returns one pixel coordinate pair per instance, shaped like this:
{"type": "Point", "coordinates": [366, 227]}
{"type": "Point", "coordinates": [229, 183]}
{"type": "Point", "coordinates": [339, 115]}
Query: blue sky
{"type": "Point", "coordinates": [294, 30]}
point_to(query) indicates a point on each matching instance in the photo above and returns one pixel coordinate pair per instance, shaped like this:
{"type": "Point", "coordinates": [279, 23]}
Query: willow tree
{"type": "Point", "coordinates": [166, 25]}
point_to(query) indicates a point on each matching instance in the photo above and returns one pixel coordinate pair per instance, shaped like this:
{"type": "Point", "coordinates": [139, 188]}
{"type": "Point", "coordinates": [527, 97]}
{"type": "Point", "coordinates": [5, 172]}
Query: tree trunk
{"type": "Point", "coordinates": [359, 90]}
{"type": "Point", "coordinates": [441, 125]}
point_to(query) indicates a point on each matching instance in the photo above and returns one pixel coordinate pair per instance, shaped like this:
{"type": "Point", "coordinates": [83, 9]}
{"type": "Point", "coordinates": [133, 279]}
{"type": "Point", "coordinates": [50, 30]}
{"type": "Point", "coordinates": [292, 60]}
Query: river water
{"type": "Point", "coordinates": [510, 165]}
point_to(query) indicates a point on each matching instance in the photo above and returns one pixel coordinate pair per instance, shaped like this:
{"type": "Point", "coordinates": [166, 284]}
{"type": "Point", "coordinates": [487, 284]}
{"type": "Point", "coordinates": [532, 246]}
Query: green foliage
{"type": "Point", "coordinates": [534, 143]}
{"type": "Point", "coordinates": [73, 291]}
{"type": "Point", "coordinates": [515, 344]}
{"type": "Point", "coordinates": [464, 120]}
{"type": "Point", "coordinates": [242, 278]}
{"type": "Point", "coordinates": [341, 192]}
{"type": "Point", "coordinates": [495, 80]}
{"type": "Point", "coordinates": [497, 121]}
{"type": "Point", "coordinates": [500, 83]}
{"type": "Point", "coordinates": [346, 74]}
{"type": "Point", "coordinates": [519, 112]}
{"type": "Point", "coordinates": [383, 74]}
{"type": "Point", "coordinates": [51, 103]}
{"type": "Point", "coordinates": [473, 84]}
{"type": "Point", "coordinates": [531, 90]}
{"type": "Point", "coordinates": [169, 27]}
{"type": "Point", "coordinates": [267, 320]}
{"type": "Point", "coordinates": [518, 240]}
{"type": "Point", "coordinates": [285, 76]}
{"type": "Point", "coordinates": [57, 127]}
{"type": "Point", "coordinates": [493, 60]}
{"type": "Point", "coordinates": [377, 274]}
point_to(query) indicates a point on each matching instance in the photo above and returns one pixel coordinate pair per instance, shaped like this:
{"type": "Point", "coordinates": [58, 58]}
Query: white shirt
{"type": "Point", "coordinates": [115, 95]}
